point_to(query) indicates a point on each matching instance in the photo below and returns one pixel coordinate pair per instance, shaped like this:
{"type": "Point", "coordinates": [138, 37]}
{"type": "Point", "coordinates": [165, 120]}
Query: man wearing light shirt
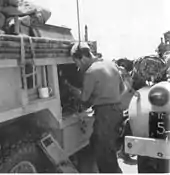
{"type": "Point", "coordinates": [102, 89]}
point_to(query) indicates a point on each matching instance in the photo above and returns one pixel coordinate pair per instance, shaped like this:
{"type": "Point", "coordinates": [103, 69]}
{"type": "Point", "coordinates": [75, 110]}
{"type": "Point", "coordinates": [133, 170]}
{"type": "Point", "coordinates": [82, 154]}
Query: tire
{"type": "Point", "coordinates": [152, 165]}
{"type": "Point", "coordinates": [26, 158]}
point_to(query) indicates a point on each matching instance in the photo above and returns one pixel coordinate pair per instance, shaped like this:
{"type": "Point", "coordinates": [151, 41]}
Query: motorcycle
{"type": "Point", "coordinates": [149, 117]}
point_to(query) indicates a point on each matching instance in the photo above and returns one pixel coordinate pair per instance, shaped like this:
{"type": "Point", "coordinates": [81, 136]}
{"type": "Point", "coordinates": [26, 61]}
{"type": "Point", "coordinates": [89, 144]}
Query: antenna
{"type": "Point", "coordinates": [78, 20]}
{"type": "Point", "coordinates": [86, 33]}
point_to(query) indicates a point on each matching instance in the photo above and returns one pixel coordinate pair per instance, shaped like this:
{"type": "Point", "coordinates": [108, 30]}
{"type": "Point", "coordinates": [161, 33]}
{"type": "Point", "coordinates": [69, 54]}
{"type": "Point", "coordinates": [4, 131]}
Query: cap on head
{"type": "Point", "coordinates": [78, 49]}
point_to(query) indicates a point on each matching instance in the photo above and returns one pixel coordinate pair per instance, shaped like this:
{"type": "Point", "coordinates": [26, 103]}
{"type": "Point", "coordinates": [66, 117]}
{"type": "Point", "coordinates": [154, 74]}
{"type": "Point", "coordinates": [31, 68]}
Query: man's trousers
{"type": "Point", "coordinates": [108, 119]}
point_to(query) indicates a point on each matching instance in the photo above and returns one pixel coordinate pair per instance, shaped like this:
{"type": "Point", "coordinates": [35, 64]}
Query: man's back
{"type": "Point", "coordinates": [106, 82]}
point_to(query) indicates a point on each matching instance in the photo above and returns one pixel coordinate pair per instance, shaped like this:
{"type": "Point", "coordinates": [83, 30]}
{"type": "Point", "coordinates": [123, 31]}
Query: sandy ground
{"type": "Point", "coordinates": [127, 168]}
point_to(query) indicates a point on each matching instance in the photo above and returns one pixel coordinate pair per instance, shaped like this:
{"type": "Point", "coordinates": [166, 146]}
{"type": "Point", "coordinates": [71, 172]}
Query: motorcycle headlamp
{"type": "Point", "coordinates": [158, 96]}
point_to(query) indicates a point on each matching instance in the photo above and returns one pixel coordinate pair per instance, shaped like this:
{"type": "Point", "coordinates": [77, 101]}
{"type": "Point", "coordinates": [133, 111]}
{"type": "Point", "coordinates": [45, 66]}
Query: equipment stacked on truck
{"type": "Point", "coordinates": [28, 14]}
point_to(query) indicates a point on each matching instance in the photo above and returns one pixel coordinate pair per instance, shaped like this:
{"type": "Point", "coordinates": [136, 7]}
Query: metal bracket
{"type": "Point", "coordinates": [155, 148]}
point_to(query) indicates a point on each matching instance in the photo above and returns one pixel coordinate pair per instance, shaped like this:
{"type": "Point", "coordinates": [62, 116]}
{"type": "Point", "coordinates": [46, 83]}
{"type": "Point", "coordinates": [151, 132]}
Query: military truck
{"type": "Point", "coordinates": [40, 126]}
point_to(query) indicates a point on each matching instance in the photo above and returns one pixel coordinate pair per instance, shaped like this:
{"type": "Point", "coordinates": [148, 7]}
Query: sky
{"type": "Point", "coordinates": [122, 28]}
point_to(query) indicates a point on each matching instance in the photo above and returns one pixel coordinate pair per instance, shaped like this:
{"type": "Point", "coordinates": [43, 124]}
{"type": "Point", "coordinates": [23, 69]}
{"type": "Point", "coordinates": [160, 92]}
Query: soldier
{"type": "Point", "coordinates": [148, 69]}
{"type": "Point", "coordinates": [102, 89]}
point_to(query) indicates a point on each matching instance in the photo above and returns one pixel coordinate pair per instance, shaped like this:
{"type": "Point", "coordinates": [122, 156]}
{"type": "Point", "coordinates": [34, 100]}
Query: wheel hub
{"type": "Point", "coordinates": [23, 167]}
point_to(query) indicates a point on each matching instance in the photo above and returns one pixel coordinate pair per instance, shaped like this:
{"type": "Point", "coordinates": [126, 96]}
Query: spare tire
{"type": "Point", "coordinates": [26, 158]}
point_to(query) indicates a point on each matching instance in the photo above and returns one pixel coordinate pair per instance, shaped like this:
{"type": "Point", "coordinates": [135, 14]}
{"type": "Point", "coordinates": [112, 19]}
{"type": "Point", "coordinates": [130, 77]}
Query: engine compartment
{"type": "Point", "coordinates": [69, 72]}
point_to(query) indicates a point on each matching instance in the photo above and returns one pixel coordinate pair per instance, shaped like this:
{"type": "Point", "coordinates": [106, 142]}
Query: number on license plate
{"type": "Point", "coordinates": [158, 124]}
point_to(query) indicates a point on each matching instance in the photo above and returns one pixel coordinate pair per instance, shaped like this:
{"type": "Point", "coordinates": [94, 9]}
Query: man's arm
{"type": "Point", "coordinates": [84, 94]}
{"type": "Point", "coordinates": [126, 86]}
{"type": "Point", "coordinates": [88, 87]}
{"type": "Point", "coordinates": [122, 86]}
{"type": "Point", "coordinates": [74, 90]}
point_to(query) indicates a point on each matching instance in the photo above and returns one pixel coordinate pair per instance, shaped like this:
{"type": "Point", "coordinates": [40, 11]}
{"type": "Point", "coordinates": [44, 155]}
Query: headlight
{"type": "Point", "coordinates": [158, 96]}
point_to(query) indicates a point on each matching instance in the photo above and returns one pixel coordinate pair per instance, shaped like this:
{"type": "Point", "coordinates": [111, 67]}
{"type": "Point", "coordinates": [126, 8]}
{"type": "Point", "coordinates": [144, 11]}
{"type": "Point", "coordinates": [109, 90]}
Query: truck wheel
{"type": "Point", "coordinates": [26, 158]}
{"type": "Point", "coordinates": [152, 165]}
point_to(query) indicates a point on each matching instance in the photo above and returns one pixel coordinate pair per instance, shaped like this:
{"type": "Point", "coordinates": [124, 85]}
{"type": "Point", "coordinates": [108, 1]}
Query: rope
{"type": "Point", "coordinates": [32, 50]}
{"type": "Point", "coordinates": [33, 60]}
{"type": "Point", "coordinates": [22, 64]}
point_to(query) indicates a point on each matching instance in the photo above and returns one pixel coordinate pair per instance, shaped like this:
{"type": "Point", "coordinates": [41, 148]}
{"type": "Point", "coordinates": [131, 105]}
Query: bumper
{"type": "Point", "coordinates": [147, 147]}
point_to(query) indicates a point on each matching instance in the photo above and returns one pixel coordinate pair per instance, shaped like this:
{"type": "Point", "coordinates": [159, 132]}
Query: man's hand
{"type": "Point", "coordinates": [75, 91]}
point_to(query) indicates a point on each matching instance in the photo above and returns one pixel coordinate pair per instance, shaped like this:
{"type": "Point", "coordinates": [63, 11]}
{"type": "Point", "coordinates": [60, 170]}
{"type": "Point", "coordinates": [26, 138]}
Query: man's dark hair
{"type": "Point", "coordinates": [126, 63]}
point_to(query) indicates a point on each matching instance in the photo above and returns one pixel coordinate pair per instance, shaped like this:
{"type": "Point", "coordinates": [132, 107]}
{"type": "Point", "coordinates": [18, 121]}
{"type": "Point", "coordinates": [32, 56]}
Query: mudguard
{"type": "Point", "coordinates": [140, 107]}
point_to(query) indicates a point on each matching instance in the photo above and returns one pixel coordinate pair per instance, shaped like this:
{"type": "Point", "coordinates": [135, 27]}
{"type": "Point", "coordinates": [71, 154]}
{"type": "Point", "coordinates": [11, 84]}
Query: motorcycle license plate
{"type": "Point", "coordinates": [158, 125]}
